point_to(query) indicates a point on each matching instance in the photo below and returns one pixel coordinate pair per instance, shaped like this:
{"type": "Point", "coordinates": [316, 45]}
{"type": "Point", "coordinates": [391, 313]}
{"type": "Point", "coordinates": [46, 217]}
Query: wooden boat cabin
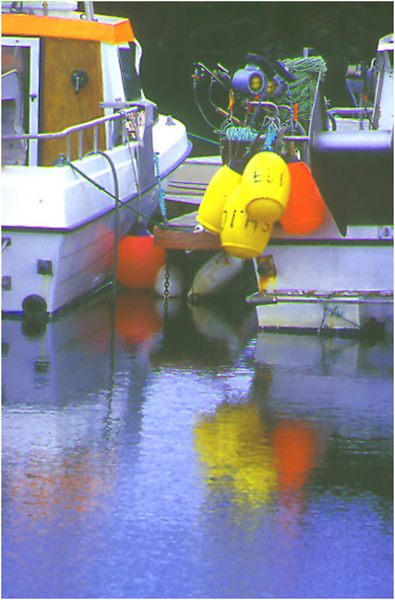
{"type": "Point", "coordinates": [61, 68]}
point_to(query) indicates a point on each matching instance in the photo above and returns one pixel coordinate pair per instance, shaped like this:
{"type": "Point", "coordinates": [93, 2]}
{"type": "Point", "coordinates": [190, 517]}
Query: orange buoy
{"type": "Point", "coordinates": [220, 187]}
{"type": "Point", "coordinates": [136, 316]}
{"type": "Point", "coordinates": [242, 236]}
{"type": "Point", "coordinates": [305, 211]}
{"type": "Point", "coordinates": [139, 261]}
{"type": "Point", "coordinates": [266, 180]}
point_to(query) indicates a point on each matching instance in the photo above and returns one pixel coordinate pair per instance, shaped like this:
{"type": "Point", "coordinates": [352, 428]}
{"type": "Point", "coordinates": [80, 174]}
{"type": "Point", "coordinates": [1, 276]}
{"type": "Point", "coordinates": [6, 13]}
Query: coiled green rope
{"type": "Point", "coordinates": [302, 90]}
{"type": "Point", "coordinates": [240, 134]}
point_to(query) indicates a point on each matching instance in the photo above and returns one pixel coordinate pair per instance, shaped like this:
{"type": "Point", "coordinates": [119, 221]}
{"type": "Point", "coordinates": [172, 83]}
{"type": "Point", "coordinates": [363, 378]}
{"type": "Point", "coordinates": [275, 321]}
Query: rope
{"type": "Point", "coordinates": [116, 240]}
{"type": "Point", "coordinates": [202, 139]}
{"type": "Point", "coordinates": [240, 134]}
{"type": "Point", "coordinates": [271, 135]}
{"type": "Point", "coordinates": [5, 243]}
{"type": "Point", "coordinates": [335, 312]}
{"type": "Point", "coordinates": [162, 203]}
{"type": "Point", "coordinates": [134, 160]}
{"type": "Point", "coordinates": [120, 203]}
{"type": "Point", "coordinates": [302, 90]}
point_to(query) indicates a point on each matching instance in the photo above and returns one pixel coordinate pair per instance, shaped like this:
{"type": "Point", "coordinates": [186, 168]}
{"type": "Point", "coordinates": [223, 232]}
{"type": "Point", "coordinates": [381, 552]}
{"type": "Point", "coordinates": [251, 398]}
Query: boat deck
{"type": "Point", "coordinates": [184, 233]}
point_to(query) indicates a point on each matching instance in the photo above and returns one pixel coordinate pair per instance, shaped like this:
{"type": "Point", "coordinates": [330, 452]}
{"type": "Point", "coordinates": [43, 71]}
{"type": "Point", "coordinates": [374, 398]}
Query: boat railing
{"type": "Point", "coordinates": [125, 116]}
{"type": "Point", "coordinates": [351, 111]}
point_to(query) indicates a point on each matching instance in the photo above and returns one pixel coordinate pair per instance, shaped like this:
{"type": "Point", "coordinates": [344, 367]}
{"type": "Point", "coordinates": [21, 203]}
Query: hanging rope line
{"type": "Point", "coordinates": [116, 225]}
{"type": "Point", "coordinates": [98, 186]}
{"type": "Point", "coordinates": [119, 202]}
{"type": "Point", "coordinates": [202, 139]}
{"type": "Point", "coordinates": [162, 203]}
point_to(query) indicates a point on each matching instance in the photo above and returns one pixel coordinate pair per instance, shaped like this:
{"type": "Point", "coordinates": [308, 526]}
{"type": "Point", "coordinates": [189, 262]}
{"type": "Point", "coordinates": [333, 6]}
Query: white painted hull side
{"type": "Point", "coordinates": [59, 230]}
{"type": "Point", "coordinates": [81, 260]}
{"type": "Point", "coordinates": [324, 315]}
{"type": "Point", "coordinates": [325, 283]}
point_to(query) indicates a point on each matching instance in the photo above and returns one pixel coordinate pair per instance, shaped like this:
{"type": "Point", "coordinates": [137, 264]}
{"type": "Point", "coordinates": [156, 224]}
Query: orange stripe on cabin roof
{"type": "Point", "coordinates": [79, 29]}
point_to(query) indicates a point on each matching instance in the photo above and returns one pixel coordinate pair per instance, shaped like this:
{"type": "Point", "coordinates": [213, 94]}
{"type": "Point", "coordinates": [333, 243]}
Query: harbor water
{"type": "Point", "coordinates": [173, 451]}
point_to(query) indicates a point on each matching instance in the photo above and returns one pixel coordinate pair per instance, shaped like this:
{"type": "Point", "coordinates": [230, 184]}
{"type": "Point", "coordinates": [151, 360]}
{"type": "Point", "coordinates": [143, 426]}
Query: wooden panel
{"type": "Point", "coordinates": [180, 234]}
{"type": "Point", "coordinates": [60, 105]}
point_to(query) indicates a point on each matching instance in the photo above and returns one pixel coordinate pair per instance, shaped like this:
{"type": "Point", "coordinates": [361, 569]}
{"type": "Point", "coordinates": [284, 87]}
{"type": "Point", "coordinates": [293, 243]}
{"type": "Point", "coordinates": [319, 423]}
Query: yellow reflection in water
{"type": "Point", "coordinates": [236, 449]}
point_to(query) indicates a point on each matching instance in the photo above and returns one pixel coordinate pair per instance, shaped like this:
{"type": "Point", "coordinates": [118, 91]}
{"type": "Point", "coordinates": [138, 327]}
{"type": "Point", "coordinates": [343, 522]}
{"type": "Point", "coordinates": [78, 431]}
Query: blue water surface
{"type": "Point", "coordinates": [180, 454]}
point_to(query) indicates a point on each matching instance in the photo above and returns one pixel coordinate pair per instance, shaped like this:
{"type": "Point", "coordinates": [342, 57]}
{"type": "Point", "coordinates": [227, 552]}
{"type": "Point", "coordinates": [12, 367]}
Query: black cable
{"type": "Point", "coordinates": [103, 189]}
{"type": "Point", "coordinates": [120, 203]}
{"type": "Point", "coordinates": [200, 109]}
{"type": "Point", "coordinates": [117, 201]}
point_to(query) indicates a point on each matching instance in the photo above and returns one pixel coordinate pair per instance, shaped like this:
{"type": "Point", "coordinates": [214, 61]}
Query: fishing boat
{"type": "Point", "coordinates": [85, 155]}
{"type": "Point", "coordinates": [339, 277]}
{"type": "Point", "coordinates": [305, 191]}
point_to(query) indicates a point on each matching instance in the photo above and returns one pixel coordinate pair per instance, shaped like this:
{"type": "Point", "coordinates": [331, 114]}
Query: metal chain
{"type": "Point", "coordinates": [166, 292]}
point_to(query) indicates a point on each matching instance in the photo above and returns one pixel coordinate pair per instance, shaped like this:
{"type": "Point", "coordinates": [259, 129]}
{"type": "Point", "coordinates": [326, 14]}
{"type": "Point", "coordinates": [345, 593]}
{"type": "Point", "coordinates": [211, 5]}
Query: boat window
{"type": "Point", "coordinates": [130, 77]}
{"type": "Point", "coordinates": [14, 58]}
{"type": "Point", "coordinates": [21, 57]}
{"type": "Point", "coordinates": [13, 151]}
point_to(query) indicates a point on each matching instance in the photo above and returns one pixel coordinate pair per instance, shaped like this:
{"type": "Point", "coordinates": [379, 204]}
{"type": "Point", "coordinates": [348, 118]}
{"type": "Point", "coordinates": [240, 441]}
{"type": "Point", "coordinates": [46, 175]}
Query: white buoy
{"type": "Point", "coordinates": [217, 272]}
{"type": "Point", "coordinates": [214, 326]}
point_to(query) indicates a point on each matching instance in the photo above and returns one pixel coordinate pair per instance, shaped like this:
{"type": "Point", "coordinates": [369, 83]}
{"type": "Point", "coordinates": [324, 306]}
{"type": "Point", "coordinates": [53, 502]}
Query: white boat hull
{"type": "Point", "coordinates": [324, 315]}
{"type": "Point", "coordinates": [326, 283]}
{"type": "Point", "coordinates": [323, 281]}
{"type": "Point", "coordinates": [59, 230]}
{"type": "Point", "coordinates": [57, 266]}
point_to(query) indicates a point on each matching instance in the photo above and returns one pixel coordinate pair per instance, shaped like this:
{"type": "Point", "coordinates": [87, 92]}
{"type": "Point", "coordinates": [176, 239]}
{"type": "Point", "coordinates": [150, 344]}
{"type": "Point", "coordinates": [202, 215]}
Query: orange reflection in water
{"type": "Point", "coordinates": [137, 318]}
{"type": "Point", "coordinates": [47, 486]}
{"type": "Point", "coordinates": [296, 446]}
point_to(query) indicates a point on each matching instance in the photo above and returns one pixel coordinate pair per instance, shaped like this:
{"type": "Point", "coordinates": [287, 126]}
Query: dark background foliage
{"type": "Point", "coordinates": [175, 34]}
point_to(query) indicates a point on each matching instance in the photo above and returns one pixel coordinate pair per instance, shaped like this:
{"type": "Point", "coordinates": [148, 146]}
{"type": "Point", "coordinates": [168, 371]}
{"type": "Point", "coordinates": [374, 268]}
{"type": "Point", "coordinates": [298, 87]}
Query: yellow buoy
{"type": "Point", "coordinates": [242, 236]}
{"type": "Point", "coordinates": [221, 185]}
{"type": "Point", "coordinates": [267, 183]}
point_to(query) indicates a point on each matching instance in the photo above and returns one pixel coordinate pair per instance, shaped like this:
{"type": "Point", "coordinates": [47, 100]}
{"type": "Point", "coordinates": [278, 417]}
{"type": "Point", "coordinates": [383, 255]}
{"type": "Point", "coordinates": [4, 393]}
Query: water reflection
{"type": "Point", "coordinates": [65, 393]}
{"type": "Point", "coordinates": [257, 460]}
{"type": "Point", "coordinates": [137, 317]}
{"type": "Point", "coordinates": [169, 451]}
{"type": "Point", "coordinates": [43, 489]}
{"type": "Point", "coordinates": [235, 447]}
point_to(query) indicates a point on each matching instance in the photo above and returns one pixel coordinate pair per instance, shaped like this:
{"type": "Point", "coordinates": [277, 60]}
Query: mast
{"type": "Point", "coordinates": [90, 14]}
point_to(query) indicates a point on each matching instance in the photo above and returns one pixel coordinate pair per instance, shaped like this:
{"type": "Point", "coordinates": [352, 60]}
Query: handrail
{"type": "Point", "coordinates": [346, 111]}
{"type": "Point", "coordinates": [122, 112]}
{"type": "Point", "coordinates": [73, 128]}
